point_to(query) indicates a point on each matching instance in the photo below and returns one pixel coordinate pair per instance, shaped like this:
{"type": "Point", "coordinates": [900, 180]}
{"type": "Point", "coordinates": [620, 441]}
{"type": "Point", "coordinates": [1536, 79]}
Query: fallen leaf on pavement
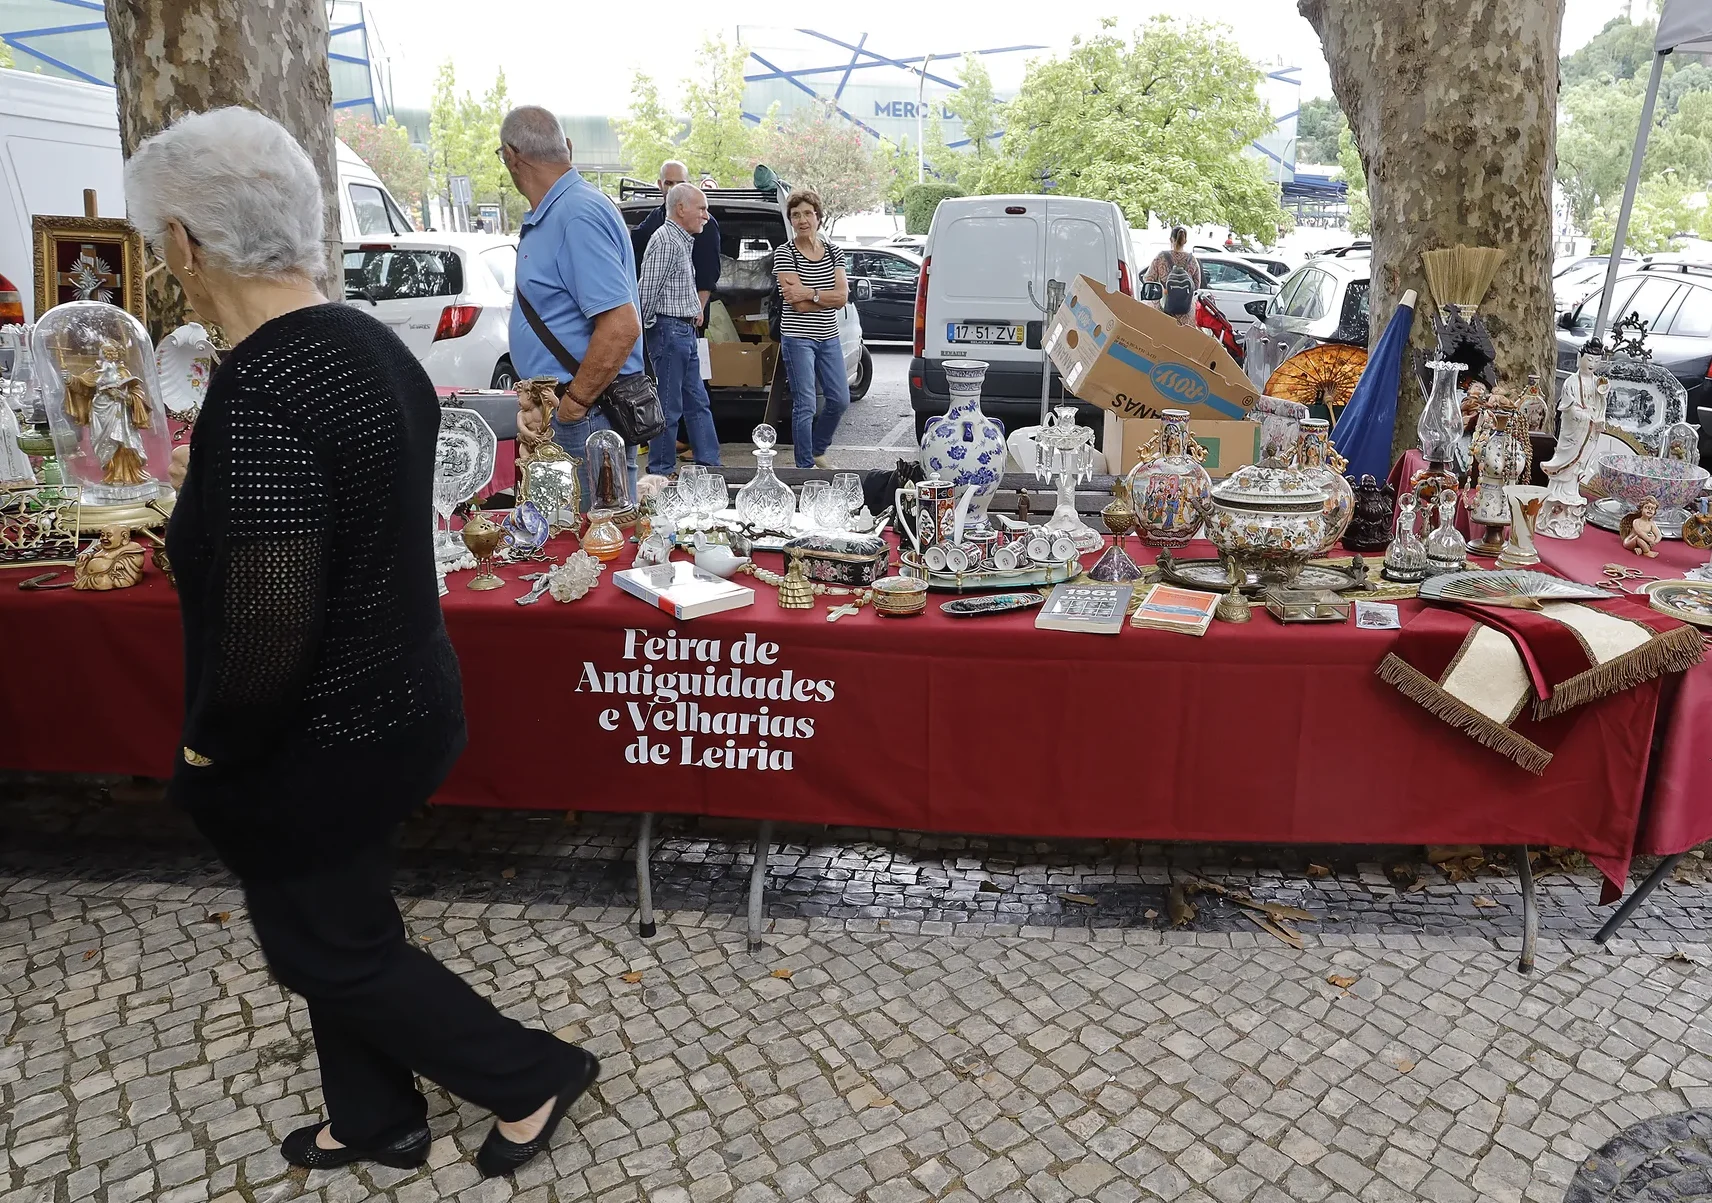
{"type": "Point", "coordinates": [885, 1100]}
{"type": "Point", "coordinates": [1079, 899]}
{"type": "Point", "coordinates": [508, 873]}
{"type": "Point", "coordinates": [219, 916]}
{"type": "Point", "coordinates": [633, 977]}
{"type": "Point", "coordinates": [1178, 906]}
{"type": "Point", "coordinates": [1319, 871]}
{"type": "Point", "coordinates": [1150, 914]}
{"type": "Point", "coordinates": [1484, 902]}
{"type": "Point", "coordinates": [91, 954]}
{"type": "Point", "coordinates": [1342, 981]}
{"type": "Point", "coordinates": [1438, 854]}
{"type": "Point", "coordinates": [1278, 930]}
{"type": "Point", "coordinates": [1404, 1067]}
{"type": "Point", "coordinates": [785, 973]}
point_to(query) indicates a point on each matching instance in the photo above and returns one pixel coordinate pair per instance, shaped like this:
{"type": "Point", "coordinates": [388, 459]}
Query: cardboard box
{"type": "Point", "coordinates": [739, 365]}
{"type": "Point", "coordinates": [1230, 445]}
{"type": "Point", "coordinates": [1130, 357]}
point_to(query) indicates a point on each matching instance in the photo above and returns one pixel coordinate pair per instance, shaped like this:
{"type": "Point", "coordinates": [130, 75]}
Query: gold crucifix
{"type": "Point", "coordinates": [90, 279]}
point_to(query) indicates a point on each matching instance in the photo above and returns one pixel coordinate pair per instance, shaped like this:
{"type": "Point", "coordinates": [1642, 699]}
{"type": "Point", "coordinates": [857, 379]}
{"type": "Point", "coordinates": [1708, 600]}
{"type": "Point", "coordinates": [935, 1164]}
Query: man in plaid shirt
{"type": "Point", "coordinates": [671, 317]}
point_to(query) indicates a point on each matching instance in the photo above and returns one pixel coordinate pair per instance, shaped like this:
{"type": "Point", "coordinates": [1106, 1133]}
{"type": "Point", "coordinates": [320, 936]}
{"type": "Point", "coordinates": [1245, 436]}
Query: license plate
{"type": "Point", "coordinates": [983, 332]}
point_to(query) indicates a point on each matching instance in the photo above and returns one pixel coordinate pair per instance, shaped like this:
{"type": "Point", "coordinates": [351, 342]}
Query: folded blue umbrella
{"type": "Point", "coordinates": [1363, 434]}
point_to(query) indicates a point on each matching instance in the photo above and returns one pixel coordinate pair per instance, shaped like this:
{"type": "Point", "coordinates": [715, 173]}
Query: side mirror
{"type": "Point", "coordinates": [864, 290]}
{"type": "Point", "coordinates": [1566, 320]}
{"type": "Point", "coordinates": [1151, 290]}
{"type": "Point", "coordinates": [1257, 309]}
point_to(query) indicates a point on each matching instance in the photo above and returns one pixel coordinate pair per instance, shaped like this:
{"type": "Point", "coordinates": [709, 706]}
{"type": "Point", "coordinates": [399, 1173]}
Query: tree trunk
{"type": "Point", "coordinates": [173, 57]}
{"type": "Point", "coordinates": [1453, 106]}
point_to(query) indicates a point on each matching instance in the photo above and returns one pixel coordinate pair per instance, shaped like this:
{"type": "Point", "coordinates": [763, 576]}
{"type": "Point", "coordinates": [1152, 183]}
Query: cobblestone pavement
{"type": "Point", "coordinates": [148, 1055]}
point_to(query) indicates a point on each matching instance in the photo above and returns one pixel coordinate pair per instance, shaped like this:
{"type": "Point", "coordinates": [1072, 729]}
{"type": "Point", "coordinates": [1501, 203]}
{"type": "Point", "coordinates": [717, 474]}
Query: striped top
{"type": "Point", "coordinates": [814, 273]}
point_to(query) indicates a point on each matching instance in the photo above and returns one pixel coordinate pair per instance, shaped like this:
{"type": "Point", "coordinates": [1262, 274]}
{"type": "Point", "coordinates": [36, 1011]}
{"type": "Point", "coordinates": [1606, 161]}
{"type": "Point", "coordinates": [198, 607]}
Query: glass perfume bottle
{"type": "Point", "coordinates": [766, 503]}
{"type": "Point", "coordinates": [1447, 550]}
{"type": "Point", "coordinates": [1406, 558]}
{"type": "Point", "coordinates": [603, 540]}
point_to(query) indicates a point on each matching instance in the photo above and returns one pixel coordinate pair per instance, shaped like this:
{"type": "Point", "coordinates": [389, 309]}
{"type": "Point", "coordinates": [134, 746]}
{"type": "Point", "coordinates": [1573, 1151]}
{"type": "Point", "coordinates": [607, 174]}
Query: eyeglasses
{"type": "Point", "coordinates": [499, 152]}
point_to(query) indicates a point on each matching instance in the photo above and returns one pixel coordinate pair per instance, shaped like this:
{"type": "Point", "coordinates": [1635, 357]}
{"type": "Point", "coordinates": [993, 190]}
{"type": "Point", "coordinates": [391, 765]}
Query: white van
{"type": "Point", "coordinates": [60, 136]}
{"type": "Point", "coordinates": [987, 261]}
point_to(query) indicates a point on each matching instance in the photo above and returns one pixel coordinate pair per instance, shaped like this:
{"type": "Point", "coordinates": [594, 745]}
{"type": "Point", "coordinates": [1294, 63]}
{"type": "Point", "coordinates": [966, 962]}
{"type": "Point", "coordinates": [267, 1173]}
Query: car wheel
{"type": "Point", "coordinates": [504, 375]}
{"type": "Point", "coordinates": [864, 376]}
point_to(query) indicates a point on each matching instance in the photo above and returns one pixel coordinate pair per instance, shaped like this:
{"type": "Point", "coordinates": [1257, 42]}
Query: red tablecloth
{"type": "Point", "coordinates": [1251, 733]}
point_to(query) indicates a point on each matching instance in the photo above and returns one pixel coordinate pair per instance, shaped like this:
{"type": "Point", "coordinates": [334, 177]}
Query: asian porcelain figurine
{"type": "Point", "coordinates": [1169, 490]}
{"type": "Point", "coordinates": [1580, 422]}
{"type": "Point", "coordinates": [1503, 459]}
{"type": "Point", "coordinates": [1316, 460]}
{"type": "Point", "coordinates": [965, 447]}
{"type": "Point", "coordinates": [1370, 528]}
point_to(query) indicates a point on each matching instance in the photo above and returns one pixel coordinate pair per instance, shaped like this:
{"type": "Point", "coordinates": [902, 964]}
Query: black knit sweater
{"type": "Point", "coordinates": [318, 677]}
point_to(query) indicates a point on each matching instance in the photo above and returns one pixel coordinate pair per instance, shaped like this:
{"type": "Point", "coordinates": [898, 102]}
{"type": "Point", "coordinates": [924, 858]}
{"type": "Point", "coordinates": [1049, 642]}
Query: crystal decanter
{"type": "Point", "coordinates": [766, 503]}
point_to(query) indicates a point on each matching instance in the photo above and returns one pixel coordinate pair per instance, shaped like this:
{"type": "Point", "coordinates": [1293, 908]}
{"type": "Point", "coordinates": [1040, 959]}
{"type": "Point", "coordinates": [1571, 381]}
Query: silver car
{"type": "Point", "coordinates": [1323, 301]}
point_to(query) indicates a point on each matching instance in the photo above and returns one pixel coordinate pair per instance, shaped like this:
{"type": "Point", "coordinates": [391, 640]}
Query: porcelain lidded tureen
{"type": "Point", "coordinates": [1268, 520]}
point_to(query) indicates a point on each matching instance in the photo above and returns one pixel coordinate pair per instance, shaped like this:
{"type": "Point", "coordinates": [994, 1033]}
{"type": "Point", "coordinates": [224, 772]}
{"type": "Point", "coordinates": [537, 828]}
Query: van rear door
{"type": "Point", "coordinates": [985, 262]}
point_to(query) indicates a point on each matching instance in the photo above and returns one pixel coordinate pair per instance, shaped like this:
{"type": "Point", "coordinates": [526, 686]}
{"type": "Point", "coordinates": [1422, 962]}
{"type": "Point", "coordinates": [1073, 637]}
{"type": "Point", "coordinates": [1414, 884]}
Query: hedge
{"type": "Point", "coordinates": [920, 200]}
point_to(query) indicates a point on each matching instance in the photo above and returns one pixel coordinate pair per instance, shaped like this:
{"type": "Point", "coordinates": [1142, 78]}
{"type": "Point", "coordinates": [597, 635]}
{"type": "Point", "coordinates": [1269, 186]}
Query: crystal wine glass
{"type": "Point", "coordinates": [688, 476]}
{"type": "Point", "coordinates": [848, 485]}
{"type": "Point", "coordinates": [813, 504]}
{"type": "Point", "coordinates": [671, 506]}
{"type": "Point", "coordinates": [714, 495]}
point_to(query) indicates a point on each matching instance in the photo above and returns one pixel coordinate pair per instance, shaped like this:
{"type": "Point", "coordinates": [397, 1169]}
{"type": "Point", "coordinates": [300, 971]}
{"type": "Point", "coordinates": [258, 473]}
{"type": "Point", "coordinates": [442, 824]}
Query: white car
{"type": "Point", "coordinates": [448, 296]}
{"type": "Point", "coordinates": [1234, 282]}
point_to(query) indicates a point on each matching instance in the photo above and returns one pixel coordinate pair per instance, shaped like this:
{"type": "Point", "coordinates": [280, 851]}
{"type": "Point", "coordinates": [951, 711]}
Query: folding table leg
{"type": "Point", "coordinates": [1530, 910]}
{"type": "Point", "coordinates": [758, 882]}
{"type": "Point", "coordinates": [1639, 896]}
{"type": "Point", "coordinates": [644, 887]}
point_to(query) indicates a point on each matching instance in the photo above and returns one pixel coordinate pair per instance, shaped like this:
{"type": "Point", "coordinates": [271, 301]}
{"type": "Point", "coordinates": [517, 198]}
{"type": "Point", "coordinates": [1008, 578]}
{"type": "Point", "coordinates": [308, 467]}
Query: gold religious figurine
{"type": "Point", "coordinates": [112, 562]}
{"type": "Point", "coordinates": [115, 406]}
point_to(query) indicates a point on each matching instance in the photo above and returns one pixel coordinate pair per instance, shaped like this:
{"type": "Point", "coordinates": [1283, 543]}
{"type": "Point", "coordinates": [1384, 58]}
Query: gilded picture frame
{"type": "Point", "coordinates": [88, 259]}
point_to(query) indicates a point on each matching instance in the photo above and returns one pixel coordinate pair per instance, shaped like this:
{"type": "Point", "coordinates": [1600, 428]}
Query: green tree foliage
{"type": "Point", "coordinates": [647, 134]}
{"type": "Point", "coordinates": [1157, 124]}
{"type": "Point", "coordinates": [1355, 177]}
{"type": "Point", "coordinates": [463, 133]}
{"type": "Point", "coordinates": [6, 61]}
{"type": "Point", "coordinates": [816, 148]}
{"type": "Point", "coordinates": [1320, 124]}
{"type": "Point", "coordinates": [1604, 84]}
{"type": "Point", "coordinates": [389, 154]}
{"type": "Point", "coordinates": [720, 142]}
{"type": "Point", "coordinates": [1664, 208]}
{"type": "Point", "coordinates": [899, 161]}
{"type": "Point", "coordinates": [975, 105]}
{"type": "Point", "coordinates": [920, 200]}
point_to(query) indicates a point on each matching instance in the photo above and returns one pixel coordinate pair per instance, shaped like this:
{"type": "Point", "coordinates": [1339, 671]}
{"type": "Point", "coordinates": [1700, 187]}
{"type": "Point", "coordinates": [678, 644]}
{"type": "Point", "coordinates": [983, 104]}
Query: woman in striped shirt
{"type": "Point", "coordinates": [811, 280]}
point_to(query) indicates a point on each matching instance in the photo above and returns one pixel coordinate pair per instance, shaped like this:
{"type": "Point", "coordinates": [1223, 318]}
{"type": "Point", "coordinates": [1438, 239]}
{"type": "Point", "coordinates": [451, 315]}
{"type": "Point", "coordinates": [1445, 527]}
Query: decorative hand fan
{"type": "Point", "coordinates": [1515, 590]}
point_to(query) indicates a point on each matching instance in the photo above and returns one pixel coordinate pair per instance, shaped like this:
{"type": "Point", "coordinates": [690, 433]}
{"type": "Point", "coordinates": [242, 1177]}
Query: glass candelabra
{"type": "Point", "coordinates": [1065, 458]}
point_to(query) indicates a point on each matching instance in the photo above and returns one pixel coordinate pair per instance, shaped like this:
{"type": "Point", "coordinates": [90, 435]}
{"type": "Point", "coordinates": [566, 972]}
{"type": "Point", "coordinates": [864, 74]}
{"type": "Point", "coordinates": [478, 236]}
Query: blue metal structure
{"type": "Point", "coordinates": [68, 38]}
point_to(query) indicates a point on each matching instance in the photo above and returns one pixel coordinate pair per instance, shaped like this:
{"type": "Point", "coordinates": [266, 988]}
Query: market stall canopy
{"type": "Point", "coordinates": [1684, 25]}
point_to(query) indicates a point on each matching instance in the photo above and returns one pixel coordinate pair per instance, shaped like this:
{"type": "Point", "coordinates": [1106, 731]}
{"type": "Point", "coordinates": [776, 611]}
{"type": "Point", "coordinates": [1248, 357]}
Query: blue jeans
{"type": "Point", "coordinates": [809, 361]}
{"type": "Point", "coordinates": [571, 436]}
{"type": "Point", "coordinates": [677, 372]}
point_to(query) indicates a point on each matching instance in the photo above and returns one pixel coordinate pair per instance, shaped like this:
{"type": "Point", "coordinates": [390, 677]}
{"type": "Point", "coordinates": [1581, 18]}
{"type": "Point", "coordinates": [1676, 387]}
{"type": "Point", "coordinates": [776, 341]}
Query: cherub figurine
{"type": "Point", "coordinates": [112, 562]}
{"type": "Point", "coordinates": [115, 406]}
{"type": "Point", "coordinates": [1639, 530]}
{"type": "Point", "coordinates": [535, 405]}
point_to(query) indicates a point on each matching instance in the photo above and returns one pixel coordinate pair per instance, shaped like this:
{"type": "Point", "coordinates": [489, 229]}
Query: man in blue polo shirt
{"type": "Point", "coordinates": [575, 264]}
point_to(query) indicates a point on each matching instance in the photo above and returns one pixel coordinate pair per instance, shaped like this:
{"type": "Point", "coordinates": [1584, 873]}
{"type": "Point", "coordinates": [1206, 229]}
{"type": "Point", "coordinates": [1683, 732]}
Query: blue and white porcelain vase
{"type": "Point", "coordinates": [965, 447]}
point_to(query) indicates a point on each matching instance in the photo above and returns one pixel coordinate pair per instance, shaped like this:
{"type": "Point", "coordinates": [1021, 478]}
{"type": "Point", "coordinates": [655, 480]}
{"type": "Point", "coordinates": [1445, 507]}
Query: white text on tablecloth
{"type": "Point", "coordinates": [705, 703]}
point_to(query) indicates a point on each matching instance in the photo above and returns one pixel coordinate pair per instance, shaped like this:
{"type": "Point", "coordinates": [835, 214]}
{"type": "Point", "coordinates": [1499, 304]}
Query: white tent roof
{"type": "Point", "coordinates": [1685, 25]}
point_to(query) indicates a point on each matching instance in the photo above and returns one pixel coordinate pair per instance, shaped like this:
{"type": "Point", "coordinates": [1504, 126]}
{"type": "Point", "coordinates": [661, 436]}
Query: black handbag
{"type": "Point", "coordinates": [631, 403]}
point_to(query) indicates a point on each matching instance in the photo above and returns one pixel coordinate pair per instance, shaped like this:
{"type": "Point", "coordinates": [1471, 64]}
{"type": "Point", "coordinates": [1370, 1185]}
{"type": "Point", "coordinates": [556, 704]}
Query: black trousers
{"type": "Point", "coordinates": [383, 1010]}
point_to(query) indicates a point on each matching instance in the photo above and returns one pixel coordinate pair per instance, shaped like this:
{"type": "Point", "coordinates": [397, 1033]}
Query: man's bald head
{"type": "Point", "coordinates": [672, 172]}
{"type": "Point", "coordinates": [687, 205]}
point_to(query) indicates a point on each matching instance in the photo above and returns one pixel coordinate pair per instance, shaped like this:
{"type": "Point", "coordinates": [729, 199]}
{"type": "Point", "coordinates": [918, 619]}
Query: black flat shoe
{"type": "Point", "coordinates": [500, 1157]}
{"type": "Point", "coordinates": [408, 1152]}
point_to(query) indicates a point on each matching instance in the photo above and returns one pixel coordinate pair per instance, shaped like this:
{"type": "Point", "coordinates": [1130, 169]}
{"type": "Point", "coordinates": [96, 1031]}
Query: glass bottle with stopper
{"type": "Point", "coordinates": [1447, 550]}
{"type": "Point", "coordinates": [766, 504]}
{"type": "Point", "coordinates": [1065, 457]}
{"type": "Point", "coordinates": [1406, 558]}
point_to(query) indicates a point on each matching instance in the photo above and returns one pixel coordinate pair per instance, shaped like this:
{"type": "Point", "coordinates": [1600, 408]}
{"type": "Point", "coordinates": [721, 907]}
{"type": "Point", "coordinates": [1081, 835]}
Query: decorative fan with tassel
{"type": "Point", "coordinates": [1325, 375]}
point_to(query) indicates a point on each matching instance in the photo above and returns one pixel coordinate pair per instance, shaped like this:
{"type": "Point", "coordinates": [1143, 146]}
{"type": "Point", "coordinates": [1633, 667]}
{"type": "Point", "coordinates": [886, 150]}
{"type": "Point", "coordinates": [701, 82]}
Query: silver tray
{"type": "Point", "coordinates": [961, 582]}
{"type": "Point", "coordinates": [1211, 575]}
{"type": "Point", "coordinates": [1607, 513]}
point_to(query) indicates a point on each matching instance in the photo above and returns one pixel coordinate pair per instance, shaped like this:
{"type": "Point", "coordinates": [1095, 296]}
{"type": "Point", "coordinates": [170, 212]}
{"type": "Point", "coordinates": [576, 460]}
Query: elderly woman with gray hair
{"type": "Point", "coordinates": [322, 697]}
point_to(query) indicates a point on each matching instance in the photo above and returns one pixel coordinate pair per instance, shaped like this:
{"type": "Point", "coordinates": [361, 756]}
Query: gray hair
{"type": "Point", "coordinates": [240, 185]}
{"type": "Point", "coordinates": [679, 195]}
{"type": "Point", "coordinates": [536, 134]}
{"type": "Point", "coordinates": [678, 163]}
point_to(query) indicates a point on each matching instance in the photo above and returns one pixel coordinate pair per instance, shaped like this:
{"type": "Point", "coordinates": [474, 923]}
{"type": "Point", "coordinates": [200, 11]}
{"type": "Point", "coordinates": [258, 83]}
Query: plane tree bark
{"type": "Point", "coordinates": [173, 57]}
{"type": "Point", "coordinates": [1453, 106]}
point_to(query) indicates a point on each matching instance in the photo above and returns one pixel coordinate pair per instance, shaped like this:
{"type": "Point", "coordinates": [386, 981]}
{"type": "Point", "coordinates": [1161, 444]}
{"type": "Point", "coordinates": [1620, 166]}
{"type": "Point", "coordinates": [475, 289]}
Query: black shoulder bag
{"type": "Point", "coordinates": [630, 402]}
